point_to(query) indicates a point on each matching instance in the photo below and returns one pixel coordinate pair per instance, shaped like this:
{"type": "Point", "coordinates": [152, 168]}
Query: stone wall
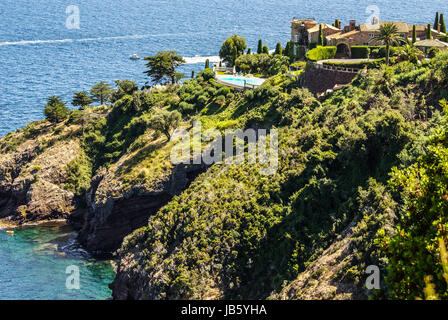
{"type": "Point", "coordinates": [319, 80]}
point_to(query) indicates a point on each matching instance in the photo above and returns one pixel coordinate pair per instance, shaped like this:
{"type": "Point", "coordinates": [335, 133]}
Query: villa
{"type": "Point", "coordinates": [305, 33]}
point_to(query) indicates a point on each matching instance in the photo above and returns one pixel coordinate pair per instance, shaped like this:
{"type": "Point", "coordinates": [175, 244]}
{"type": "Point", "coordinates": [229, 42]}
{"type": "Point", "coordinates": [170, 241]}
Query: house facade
{"type": "Point", "coordinates": [306, 32]}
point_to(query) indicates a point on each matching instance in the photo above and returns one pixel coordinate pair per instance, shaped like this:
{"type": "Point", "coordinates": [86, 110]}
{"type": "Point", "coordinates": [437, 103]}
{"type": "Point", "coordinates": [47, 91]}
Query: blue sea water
{"type": "Point", "coordinates": [34, 262]}
{"type": "Point", "coordinates": [40, 56]}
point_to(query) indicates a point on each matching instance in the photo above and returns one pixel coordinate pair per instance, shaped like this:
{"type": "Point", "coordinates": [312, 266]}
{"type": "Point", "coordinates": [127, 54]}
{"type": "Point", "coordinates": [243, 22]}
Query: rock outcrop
{"type": "Point", "coordinates": [32, 179]}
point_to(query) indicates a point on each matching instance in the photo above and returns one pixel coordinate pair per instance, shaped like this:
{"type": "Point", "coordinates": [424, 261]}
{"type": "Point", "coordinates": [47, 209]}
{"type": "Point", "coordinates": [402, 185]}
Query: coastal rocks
{"type": "Point", "coordinates": [32, 181]}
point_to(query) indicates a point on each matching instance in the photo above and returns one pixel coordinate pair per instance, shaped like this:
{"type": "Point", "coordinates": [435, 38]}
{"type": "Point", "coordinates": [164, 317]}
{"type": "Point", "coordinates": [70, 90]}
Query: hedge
{"type": "Point", "coordinates": [360, 52]}
{"type": "Point", "coordinates": [321, 53]}
{"type": "Point", "coordinates": [369, 64]}
{"type": "Point", "coordinates": [374, 52]}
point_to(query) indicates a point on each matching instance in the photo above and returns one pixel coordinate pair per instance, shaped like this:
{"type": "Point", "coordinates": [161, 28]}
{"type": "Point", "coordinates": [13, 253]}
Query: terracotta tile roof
{"type": "Point", "coordinates": [343, 35]}
{"type": "Point", "coordinates": [324, 26]}
{"type": "Point", "coordinates": [401, 26]}
{"type": "Point", "coordinates": [431, 43]}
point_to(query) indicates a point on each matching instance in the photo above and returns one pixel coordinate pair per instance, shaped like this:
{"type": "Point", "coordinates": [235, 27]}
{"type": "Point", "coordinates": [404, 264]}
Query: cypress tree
{"type": "Point", "coordinates": [192, 74]}
{"type": "Point", "coordinates": [278, 49]}
{"type": "Point", "coordinates": [260, 47]}
{"type": "Point", "coordinates": [442, 24]}
{"type": "Point", "coordinates": [285, 53]}
{"type": "Point", "coordinates": [414, 34]}
{"type": "Point", "coordinates": [292, 56]}
{"type": "Point", "coordinates": [428, 31]}
{"type": "Point", "coordinates": [235, 54]}
{"type": "Point", "coordinates": [249, 51]}
{"type": "Point", "coordinates": [436, 21]}
{"type": "Point", "coordinates": [265, 49]}
{"type": "Point", "coordinates": [320, 40]}
{"type": "Point", "coordinates": [207, 64]}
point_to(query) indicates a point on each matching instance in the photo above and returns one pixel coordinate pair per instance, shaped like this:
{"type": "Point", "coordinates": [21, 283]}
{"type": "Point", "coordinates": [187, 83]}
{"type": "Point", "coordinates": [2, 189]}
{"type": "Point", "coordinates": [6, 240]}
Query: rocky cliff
{"type": "Point", "coordinates": [33, 170]}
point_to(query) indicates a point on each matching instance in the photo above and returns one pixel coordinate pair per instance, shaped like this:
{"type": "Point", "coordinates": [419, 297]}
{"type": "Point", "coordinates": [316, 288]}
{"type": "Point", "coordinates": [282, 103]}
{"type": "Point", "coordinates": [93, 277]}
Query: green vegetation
{"type": "Point", "coordinates": [414, 33]}
{"type": "Point", "coordinates": [278, 49]}
{"type": "Point", "coordinates": [163, 66]}
{"type": "Point", "coordinates": [55, 110]}
{"type": "Point", "coordinates": [442, 24]}
{"type": "Point", "coordinates": [265, 64]}
{"type": "Point", "coordinates": [360, 52]}
{"type": "Point", "coordinates": [367, 162]}
{"type": "Point", "coordinates": [357, 65]}
{"type": "Point", "coordinates": [246, 243]}
{"type": "Point", "coordinates": [165, 121]}
{"type": "Point", "coordinates": [101, 92]}
{"type": "Point", "coordinates": [389, 36]}
{"type": "Point", "coordinates": [231, 49]}
{"type": "Point", "coordinates": [320, 41]}
{"type": "Point", "coordinates": [81, 99]}
{"type": "Point", "coordinates": [260, 46]}
{"type": "Point", "coordinates": [428, 31]}
{"type": "Point", "coordinates": [321, 53]}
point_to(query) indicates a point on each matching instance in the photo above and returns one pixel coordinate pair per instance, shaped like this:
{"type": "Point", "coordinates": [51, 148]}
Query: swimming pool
{"type": "Point", "coordinates": [240, 81]}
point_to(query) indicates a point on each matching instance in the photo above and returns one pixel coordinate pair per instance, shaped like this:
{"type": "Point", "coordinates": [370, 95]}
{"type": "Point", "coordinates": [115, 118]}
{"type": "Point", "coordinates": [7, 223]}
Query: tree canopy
{"type": "Point", "coordinates": [55, 110]}
{"type": "Point", "coordinates": [231, 49]}
{"type": "Point", "coordinates": [165, 121]}
{"type": "Point", "coordinates": [81, 99]}
{"type": "Point", "coordinates": [163, 65]}
{"type": "Point", "coordinates": [101, 92]}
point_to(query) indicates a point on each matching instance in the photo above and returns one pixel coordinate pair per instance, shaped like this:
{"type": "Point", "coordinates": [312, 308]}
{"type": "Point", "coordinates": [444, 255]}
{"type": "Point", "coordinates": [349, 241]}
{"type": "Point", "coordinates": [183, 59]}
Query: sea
{"type": "Point", "coordinates": [59, 47]}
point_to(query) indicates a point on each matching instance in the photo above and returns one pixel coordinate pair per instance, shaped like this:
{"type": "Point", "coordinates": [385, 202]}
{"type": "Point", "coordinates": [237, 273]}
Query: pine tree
{"type": "Point", "coordinates": [442, 24]}
{"type": "Point", "coordinates": [428, 31]}
{"type": "Point", "coordinates": [260, 47]}
{"type": "Point", "coordinates": [414, 34]}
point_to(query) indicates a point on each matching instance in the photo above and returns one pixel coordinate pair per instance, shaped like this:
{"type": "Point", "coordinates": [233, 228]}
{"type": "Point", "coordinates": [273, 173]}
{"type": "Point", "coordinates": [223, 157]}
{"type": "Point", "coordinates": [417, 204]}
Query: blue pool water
{"type": "Point", "coordinates": [239, 81]}
{"type": "Point", "coordinates": [40, 56]}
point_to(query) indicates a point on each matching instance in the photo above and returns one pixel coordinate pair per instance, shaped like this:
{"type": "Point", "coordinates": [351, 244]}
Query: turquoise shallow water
{"type": "Point", "coordinates": [33, 265]}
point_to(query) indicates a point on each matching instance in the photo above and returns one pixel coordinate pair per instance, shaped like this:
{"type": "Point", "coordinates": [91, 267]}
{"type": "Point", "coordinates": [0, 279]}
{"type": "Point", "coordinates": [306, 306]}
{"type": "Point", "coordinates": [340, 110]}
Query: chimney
{"type": "Point", "coordinates": [352, 23]}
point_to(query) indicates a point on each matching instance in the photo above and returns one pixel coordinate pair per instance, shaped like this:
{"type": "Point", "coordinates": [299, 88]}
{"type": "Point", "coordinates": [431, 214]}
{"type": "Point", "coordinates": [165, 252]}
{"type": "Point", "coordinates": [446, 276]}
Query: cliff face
{"type": "Point", "coordinates": [33, 173]}
{"type": "Point", "coordinates": [114, 210]}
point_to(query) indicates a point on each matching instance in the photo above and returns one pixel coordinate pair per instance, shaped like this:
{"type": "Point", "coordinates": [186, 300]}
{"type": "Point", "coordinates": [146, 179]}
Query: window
{"type": "Point", "coordinates": [371, 35]}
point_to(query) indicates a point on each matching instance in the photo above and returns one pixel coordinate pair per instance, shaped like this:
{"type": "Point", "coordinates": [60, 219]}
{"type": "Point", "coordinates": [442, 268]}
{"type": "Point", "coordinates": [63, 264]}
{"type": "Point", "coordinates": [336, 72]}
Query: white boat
{"type": "Point", "coordinates": [134, 57]}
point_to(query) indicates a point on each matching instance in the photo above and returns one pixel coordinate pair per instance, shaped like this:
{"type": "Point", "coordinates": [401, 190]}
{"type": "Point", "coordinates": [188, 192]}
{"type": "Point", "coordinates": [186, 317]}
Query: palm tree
{"type": "Point", "coordinates": [388, 35]}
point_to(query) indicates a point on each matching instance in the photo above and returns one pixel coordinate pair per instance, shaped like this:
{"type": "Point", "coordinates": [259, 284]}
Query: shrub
{"type": "Point", "coordinates": [433, 52]}
{"type": "Point", "coordinates": [360, 52]}
{"type": "Point", "coordinates": [186, 108]}
{"type": "Point", "coordinates": [321, 53]}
